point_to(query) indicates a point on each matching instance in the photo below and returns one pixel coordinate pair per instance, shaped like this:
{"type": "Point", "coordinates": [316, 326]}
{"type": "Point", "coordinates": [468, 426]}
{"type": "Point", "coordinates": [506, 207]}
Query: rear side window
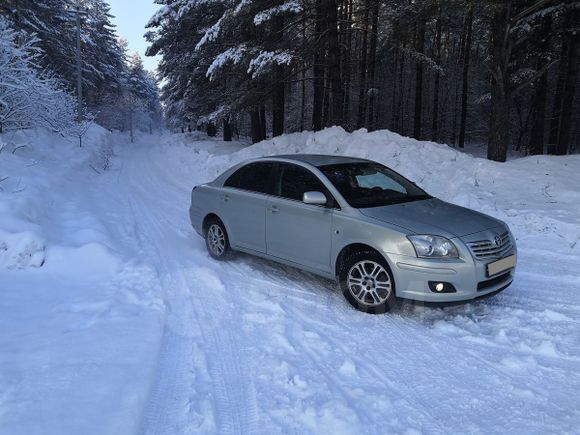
{"type": "Point", "coordinates": [255, 177]}
{"type": "Point", "coordinates": [294, 180]}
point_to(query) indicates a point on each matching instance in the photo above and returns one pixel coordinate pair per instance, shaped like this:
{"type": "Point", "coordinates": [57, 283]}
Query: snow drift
{"type": "Point", "coordinates": [535, 195]}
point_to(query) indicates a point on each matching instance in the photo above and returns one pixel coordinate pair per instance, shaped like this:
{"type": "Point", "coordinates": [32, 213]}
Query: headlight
{"type": "Point", "coordinates": [427, 246]}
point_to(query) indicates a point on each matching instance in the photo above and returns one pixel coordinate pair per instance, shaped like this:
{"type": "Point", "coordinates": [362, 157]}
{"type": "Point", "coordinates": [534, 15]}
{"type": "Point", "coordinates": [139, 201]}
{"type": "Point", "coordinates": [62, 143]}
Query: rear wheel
{"type": "Point", "coordinates": [367, 282]}
{"type": "Point", "coordinates": [216, 240]}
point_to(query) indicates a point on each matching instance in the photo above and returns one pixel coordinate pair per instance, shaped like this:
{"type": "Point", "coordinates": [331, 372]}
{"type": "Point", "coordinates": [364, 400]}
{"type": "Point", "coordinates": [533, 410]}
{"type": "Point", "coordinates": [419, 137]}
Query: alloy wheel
{"type": "Point", "coordinates": [369, 283]}
{"type": "Point", "coordinates": [216, 240]}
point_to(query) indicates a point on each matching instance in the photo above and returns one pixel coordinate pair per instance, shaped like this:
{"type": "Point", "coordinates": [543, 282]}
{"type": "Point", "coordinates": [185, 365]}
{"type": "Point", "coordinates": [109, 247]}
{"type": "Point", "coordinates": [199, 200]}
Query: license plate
{"type": "Point", "coordinates": [501, 265]}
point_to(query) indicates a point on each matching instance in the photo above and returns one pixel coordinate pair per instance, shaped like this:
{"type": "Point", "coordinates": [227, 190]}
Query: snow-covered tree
{"type": "Point", "coordinates": [102, 52]}
{"type": "Point", "coordinates": [79, 127]}
{"type": "Point", "coordinates": [222, 59]}
{"type": "Point", "coordinates": [29, 98]}
{"type": "Point", "coordinates": [139, 99]}
{"type": "Point", "coordinates": [53, 22]}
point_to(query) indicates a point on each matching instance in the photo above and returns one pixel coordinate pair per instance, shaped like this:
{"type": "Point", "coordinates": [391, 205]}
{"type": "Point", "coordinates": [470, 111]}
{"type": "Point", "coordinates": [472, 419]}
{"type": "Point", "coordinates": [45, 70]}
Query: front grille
{"type": "Point", "coordinates": [484, 285]}
{"type": "Point", "coordinates": [490, 249]}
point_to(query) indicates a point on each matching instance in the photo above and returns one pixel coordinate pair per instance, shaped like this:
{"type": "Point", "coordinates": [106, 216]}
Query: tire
{"type": "Point", "coordinates": [217, 241]}
{"type": "Point", "coordinates": [367, 282]}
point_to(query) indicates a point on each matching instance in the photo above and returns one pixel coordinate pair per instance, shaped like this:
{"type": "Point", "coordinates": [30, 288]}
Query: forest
{"type": "Point", "coordinates": [63, 67]}
{"type": "Point", "coordinates": [501, 73]}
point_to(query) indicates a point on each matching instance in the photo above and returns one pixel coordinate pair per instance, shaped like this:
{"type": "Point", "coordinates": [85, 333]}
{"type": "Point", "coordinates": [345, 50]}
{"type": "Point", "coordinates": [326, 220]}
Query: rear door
{"type": "Point", "coordinates": [298, 232]}
{"type": "Point", "coordinates": [243, 205]}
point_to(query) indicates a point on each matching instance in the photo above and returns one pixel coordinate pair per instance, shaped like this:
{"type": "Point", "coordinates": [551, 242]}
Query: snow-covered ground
{"type": "Point", "coordinates": [113, 319]}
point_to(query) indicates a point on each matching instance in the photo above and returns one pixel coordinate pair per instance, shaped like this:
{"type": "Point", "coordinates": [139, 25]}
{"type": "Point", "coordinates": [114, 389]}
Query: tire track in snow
{"type": "Point", "coordinates": [233, 396]}
{"type": "Point", "coordinates": [315, 287]}
{"type": "Point", "coordinates": [400, 324]}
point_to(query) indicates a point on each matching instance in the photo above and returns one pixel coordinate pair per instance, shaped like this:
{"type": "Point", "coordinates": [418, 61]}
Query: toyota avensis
{"type": "Point", "coordinates": [377, 233]}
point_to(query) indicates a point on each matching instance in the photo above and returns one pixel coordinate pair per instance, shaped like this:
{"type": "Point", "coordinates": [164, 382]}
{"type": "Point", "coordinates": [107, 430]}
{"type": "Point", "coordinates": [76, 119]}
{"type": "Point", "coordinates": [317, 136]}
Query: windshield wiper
{"type": "Point", "coordinates": [417, 197]}
{"type": "Point", "coordinates": [393, 201]}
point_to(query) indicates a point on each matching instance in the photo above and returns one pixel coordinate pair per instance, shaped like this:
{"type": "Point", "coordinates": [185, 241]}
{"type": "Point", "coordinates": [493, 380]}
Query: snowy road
{"type": "Point", "coordinates": [249, 346]}
{"type": "Point", "coordinates": [253, 347]}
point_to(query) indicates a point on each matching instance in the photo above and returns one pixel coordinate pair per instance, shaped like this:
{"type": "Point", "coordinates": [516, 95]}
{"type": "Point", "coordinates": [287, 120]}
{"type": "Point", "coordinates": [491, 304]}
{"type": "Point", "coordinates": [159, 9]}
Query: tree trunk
{"type": "Point", "coordinates": [303, 96]}
{"type": "Point", "coordinates": [303, 100]}
{"type": "Point", "coordinates": [336, 96]}
{"type": "Point", "coordinates": [466, 56]}
{"type": "Point", "coordinates": [278, 96]}
{"type": "Point", "coordinates": [500, 84]}
{"type": "Point", "coordinates": [453, 139]}
{"type": "Point", "coordinates": [325, 97]}
{"type": "Point", "coordinates": [402, 84]}
{"type": "Point", "coordinates": [131, 125]}
{"type": "Point", "coordinates": [227, 130]}
{"type": "Point", "coordinates": [392, 125]}
{"type": "Point", "coordinates": [565, 123]}
{"type": "Point", "coordinates": [373, 66]}
{"type": "Point", "coordinates": [318, 70]}
{"type": "Point", "coordinates": [347, 64]}
{"type": "Point", "coordinates": [557, 105]}
{"type": "Point", "coordinates": [263, 128]}
{"type": "Point", "coordinates": [278, 102]}
{"type": "Point", "coordinates": [419, 48]}
{"type": "Point", "coordinates": [536, 141]}
{"type": "Point", "coordinates": [437, 58]}
{"type": "Point", "coordinates": [361, 118]}
{"type": "Point", "coordinates": [211, 129]}
{"type": "Point", "coordinates": [256, 125]}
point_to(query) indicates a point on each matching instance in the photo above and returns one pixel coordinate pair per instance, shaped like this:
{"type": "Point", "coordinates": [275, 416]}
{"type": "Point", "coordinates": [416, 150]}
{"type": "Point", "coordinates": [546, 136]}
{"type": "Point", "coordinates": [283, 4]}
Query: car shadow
{"type": "Point", "coordinates": [427, 313]}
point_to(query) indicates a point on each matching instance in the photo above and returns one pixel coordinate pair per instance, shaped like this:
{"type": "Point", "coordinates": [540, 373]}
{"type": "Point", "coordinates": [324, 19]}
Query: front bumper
{"type": "Point", "coordinates": [467, 274]}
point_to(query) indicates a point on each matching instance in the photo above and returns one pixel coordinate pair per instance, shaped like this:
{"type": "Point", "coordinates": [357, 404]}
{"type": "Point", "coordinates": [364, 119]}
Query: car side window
{"type": "Point", "coordinates": [255, 177]}
{"type": "Point", "coordinates": [294, 180]}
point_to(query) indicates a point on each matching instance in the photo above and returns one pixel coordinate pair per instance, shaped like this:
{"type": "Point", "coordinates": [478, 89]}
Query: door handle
{"type": "Point", "coordinates": [226, 198]}
{"type": "Point", "coordinates": [274, 209]}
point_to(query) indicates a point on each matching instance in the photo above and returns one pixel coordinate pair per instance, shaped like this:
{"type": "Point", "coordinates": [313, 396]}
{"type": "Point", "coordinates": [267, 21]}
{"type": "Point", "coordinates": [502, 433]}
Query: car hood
{"type": "Point", "coordinates": [433, 216]}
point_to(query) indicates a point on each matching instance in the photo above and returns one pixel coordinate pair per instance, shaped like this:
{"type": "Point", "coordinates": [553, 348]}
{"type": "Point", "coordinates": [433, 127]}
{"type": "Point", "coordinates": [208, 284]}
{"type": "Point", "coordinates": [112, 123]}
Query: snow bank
{"type": "Point", "coordinates": [535, 195]}
{"type": "Point", "coordinates": [79, 318]}
{"type": "Point", "coordinates": [38, 172]}
{"type": "Point", "coordinates": [21, 250]}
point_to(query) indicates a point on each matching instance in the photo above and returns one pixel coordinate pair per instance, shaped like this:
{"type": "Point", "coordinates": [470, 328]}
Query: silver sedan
{"type": "Point", "coordinates": [358, 222]}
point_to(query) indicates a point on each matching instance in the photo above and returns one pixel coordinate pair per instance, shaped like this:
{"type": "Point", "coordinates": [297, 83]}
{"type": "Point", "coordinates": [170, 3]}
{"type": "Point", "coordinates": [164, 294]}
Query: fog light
{"type": "Point", "coordinates": [441, 287]}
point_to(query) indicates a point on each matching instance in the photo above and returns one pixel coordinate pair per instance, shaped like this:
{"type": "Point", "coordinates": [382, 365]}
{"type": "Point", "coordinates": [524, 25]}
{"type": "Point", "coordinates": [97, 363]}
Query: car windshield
{"type": "Point", "coordinates": [368, 184]}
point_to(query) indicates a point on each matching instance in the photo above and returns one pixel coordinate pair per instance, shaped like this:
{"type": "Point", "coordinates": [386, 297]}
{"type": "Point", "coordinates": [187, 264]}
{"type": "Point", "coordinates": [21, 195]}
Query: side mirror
{"type": "Point", "coordinates": [316, 198]}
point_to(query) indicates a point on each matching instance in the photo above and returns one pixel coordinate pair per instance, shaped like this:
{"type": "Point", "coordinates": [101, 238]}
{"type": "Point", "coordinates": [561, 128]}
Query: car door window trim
{"type": "Point", "coordinates": [331, 204]}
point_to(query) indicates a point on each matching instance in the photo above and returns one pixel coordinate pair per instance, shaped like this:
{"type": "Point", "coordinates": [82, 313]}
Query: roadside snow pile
{"type": "Point", "coordinates": [80, 320]}
{"type": "Point", "coordinates": [21, 250]}
{"type": "Point", "coordinates": [38, 170]}
{"type": "Point", "coordinates": [537, 196]}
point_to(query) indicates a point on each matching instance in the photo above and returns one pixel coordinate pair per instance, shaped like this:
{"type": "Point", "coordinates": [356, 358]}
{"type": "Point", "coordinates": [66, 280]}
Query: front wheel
{"type": "Point", "coordinates": [367, 283]}
{"type": "Point", "coordinates": [216, 240]}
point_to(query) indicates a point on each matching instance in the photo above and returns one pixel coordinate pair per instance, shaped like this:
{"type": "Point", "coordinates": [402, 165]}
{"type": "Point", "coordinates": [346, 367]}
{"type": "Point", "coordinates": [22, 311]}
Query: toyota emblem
{"type": "Point", "coordinates": [498, 241]}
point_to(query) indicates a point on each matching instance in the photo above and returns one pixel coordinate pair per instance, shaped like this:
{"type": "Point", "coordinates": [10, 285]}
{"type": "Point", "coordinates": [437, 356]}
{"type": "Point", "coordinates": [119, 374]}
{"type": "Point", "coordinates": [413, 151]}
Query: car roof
{"type": "Point", "coordinates": [317, 159]}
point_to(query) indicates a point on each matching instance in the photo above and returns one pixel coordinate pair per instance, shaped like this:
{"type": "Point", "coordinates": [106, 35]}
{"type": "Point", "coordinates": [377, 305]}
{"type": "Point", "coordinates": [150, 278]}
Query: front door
{"type": "Point", "coordinates": [298, 232]}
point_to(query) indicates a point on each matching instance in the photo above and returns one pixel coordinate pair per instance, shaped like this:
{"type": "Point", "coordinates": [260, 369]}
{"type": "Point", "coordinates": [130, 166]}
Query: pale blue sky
{"type": "Point", "coordinates": [130, 19]}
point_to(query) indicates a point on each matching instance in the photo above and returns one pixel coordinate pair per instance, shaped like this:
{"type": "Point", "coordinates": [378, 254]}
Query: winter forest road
{"type": "Point", "coordinates": [249, 346]}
